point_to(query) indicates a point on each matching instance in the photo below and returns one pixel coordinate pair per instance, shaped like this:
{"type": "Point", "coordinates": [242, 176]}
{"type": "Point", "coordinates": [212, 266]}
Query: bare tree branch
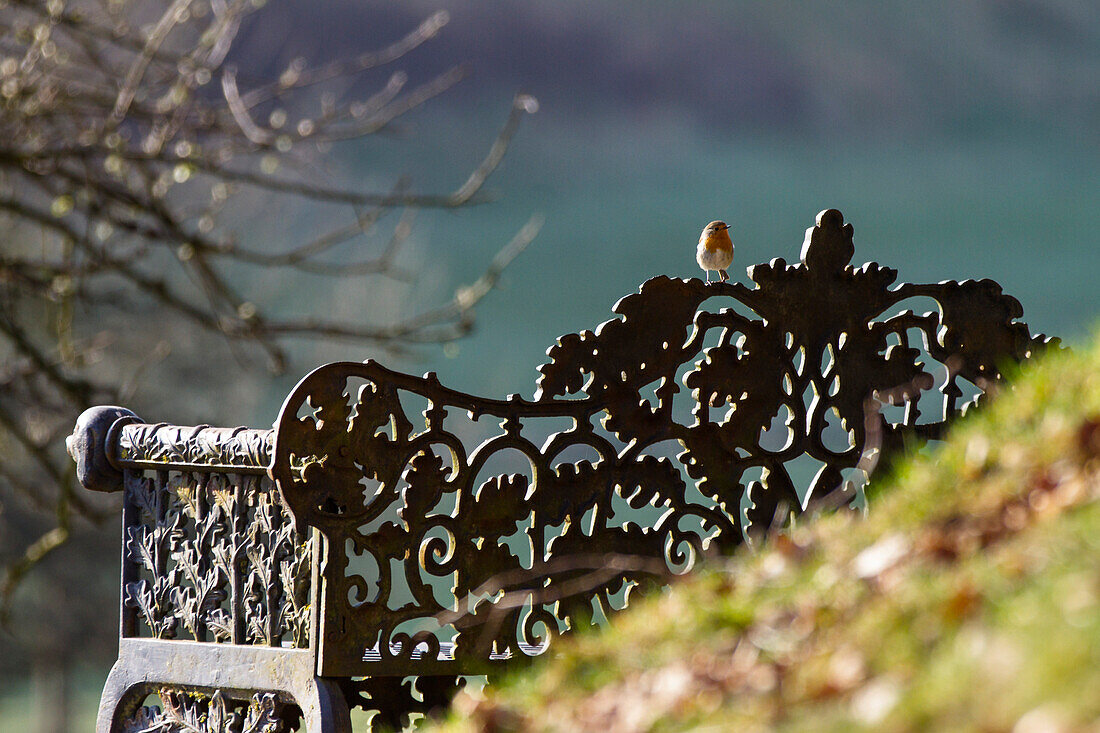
{"type": "Point", "coordinates": [119, 157]}
{"type": "Point", "coordinates": [140, 64]}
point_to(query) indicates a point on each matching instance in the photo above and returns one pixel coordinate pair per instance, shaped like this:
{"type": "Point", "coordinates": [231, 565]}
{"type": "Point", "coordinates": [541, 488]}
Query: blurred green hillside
{"type": "Point", "coordinates": [878, 68]}
{"type": "Point", "coordinates": [968, 599]}
{"type": "Point", "coordinates": [960, 139]}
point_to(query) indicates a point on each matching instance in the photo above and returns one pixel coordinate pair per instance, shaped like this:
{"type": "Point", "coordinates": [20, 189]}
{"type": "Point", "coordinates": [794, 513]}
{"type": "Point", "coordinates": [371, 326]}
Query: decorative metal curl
{"type": "Point", "coordinates": [416, 542]}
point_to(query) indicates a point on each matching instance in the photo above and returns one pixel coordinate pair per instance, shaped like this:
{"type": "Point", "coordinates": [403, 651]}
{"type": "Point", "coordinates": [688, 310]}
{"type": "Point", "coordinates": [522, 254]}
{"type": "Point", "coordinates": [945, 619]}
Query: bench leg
{"type": "Point", "coordinates": [328, 710]}
{"type": "Point", "coordinates": [118, 702]}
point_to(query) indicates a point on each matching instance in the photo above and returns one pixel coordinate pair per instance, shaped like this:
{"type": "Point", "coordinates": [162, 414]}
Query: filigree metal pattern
{"type": "Point", "coordinates": [201, 447]}
{"type": "Point", "coordinates": [193, 712]}
{"type": "Point", "coordinates": [213, 557]}
{"type": "Point", "coordinates": [395, 699]}
{"type": "Point", "coordinates": [413, 537]}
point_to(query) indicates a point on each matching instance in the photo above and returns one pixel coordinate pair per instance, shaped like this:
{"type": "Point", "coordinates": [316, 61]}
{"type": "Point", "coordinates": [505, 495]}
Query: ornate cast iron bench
{"type": "Point", "coordinates": [361, 553]}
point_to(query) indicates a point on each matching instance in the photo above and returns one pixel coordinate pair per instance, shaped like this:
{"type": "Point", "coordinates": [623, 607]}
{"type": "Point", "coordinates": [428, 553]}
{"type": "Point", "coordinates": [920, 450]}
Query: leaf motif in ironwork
{"type": "Point", "coordinates": [625, 354]}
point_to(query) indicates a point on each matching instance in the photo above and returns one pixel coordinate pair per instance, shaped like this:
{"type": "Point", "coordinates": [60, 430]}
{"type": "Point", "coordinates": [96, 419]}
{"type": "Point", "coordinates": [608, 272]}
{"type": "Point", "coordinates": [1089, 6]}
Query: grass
{"type": "Point", "coordinates": [968, 600]}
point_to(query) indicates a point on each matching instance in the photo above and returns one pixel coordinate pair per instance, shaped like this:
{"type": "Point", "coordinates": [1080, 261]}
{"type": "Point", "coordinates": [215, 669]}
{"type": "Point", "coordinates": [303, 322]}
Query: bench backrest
{"type": "Point", "coordinates": [462, 530]}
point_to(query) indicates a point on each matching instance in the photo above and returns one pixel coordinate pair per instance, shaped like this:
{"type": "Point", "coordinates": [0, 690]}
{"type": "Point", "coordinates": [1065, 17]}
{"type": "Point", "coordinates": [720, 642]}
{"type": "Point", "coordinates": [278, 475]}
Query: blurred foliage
{"type": "Point", "coordinates": [967, 600]}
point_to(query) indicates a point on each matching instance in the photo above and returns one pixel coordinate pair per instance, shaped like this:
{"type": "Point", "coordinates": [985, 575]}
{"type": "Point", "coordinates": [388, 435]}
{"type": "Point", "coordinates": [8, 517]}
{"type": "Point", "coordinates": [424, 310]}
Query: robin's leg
{"type": "Point", "coordinates": [708, 275]}
{"type": "Point", "coordinates": [725, 275]}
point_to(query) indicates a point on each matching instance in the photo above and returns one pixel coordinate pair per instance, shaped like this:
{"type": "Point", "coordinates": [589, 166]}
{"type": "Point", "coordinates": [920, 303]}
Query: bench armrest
{"type": "Point", "coordinates": [210, 552]}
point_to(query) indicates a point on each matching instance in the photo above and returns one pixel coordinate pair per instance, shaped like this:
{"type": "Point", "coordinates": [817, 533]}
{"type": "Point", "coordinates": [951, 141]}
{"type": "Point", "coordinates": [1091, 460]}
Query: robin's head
{"type": "Point", "coordinates": [716, 235]}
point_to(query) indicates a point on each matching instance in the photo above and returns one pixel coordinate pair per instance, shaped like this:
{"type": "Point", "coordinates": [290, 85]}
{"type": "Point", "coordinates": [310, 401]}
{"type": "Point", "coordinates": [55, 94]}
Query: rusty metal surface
{"type": "Point", "coordinates": [424, 540]}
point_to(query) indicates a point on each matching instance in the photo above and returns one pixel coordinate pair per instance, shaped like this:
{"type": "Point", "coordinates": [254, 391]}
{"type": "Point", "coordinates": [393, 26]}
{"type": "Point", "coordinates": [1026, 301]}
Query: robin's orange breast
{"type": "Point", "coordinates": [719, 242]}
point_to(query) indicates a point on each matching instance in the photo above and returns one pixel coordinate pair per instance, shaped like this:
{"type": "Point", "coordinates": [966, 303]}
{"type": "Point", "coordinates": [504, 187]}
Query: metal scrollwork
{"type": "Point", "coordinates": [395, 699]}
{"type": "Point", "coordinates": [429, 542]}
{"type": "Point", "coordinates": [213, 557]}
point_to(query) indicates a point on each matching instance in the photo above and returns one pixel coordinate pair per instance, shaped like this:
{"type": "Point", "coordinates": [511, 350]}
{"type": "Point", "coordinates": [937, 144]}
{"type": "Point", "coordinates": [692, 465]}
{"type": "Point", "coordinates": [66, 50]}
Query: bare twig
{"type": "Point", "coordinates": [140, 64]}
{"type": "Point", "coordinates": [117, 164]}
{"type": "Point", "coordinates": [240, 114]}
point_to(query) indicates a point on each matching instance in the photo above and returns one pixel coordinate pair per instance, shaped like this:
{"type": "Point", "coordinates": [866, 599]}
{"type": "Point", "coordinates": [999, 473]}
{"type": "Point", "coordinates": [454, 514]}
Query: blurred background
{"type": "Point", "coordinates": [960, 138]}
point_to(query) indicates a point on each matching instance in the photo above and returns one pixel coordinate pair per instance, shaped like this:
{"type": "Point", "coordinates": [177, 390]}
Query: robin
{"type": "Point", "coordinates": [715, 251]}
